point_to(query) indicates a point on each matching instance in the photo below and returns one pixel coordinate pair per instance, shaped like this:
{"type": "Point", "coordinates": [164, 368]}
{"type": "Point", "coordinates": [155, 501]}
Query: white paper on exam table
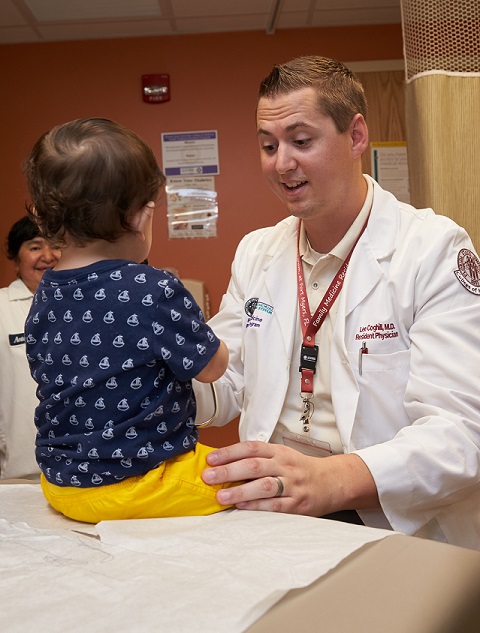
{"type": "Point", "coordinates": [205, 574]}
{"type": "Point", "coordinates": [25, 503]}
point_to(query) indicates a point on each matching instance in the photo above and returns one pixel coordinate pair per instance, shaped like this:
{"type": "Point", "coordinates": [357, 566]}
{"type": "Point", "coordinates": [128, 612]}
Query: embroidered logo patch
{"type": "Point", "coordinates": [468, 273]}
{"type": "Point", "coordinates": [252, 305]}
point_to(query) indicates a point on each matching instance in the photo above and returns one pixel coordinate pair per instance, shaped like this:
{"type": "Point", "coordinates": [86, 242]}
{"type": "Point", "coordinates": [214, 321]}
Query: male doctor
{"type": "Point", "coordinates": [353, 330]}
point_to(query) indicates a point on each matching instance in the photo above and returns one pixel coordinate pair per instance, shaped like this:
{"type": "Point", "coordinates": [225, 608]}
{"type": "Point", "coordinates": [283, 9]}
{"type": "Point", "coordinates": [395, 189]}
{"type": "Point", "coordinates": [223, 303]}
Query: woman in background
{"type": "Point", "coordinates": [31, 255]}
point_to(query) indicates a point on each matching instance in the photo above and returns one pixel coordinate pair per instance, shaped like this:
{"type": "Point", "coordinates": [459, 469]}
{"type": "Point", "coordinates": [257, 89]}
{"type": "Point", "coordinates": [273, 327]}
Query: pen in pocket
{"type": "Point", "coordinates": [363, 350]}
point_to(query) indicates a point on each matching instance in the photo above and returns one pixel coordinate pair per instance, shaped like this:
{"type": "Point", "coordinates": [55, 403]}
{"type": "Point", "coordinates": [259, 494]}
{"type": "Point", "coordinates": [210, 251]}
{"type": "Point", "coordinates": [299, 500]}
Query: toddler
{"type": "Point", "coordinates": [113, 344]}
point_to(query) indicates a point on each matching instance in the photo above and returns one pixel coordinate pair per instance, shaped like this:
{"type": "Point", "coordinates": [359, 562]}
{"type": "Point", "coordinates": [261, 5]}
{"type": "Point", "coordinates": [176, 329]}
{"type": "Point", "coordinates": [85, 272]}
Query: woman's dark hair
{"type": "Point", "coordinates": [22, 231]}
{"type": "Point", "coordinates": [87, 179]}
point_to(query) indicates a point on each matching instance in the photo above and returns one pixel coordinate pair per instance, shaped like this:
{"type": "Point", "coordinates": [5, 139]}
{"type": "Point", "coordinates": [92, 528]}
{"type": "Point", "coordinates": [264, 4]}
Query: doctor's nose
{"type": "Point", "coordinates": [284, 161]}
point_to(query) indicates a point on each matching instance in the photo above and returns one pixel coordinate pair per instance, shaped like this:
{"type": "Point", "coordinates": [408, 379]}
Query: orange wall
{"type": "Point", "coordinates": [214, 80]}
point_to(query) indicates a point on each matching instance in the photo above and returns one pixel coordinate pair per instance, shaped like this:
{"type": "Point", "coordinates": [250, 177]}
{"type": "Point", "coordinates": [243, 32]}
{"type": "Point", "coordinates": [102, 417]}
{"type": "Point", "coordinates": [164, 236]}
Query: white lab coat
{"type": "Point", "coordinates": [17, 388]}
{"type": "Point", "coordinates": [413, 415]}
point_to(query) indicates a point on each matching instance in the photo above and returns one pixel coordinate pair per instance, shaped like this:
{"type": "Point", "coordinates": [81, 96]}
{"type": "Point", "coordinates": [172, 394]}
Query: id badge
{"type": "Point", "coordinates": [306, 445]}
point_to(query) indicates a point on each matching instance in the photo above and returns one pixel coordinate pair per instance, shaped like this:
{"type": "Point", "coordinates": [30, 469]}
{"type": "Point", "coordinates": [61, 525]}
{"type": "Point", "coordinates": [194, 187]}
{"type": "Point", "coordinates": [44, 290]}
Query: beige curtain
{"type": "Point", "coordinates": [442, 60]}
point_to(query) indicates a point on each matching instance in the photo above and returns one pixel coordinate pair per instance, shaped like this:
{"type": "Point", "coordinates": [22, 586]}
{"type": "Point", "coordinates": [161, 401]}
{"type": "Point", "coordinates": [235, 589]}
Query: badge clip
{"type": "Point", "coordinates": [308, 409]}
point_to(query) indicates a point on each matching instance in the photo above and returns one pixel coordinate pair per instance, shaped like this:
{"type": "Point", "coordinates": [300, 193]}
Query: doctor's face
{"type": "Point", "coordinates": [307, 162]}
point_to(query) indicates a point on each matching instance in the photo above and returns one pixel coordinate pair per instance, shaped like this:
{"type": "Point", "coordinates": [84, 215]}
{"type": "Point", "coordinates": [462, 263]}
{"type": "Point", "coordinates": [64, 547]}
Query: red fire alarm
{"type": "Point", "coordinates": [156, 88]}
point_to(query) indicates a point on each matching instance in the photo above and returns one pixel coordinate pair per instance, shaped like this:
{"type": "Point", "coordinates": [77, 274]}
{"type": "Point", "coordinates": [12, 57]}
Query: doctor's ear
{"type": "Point", "coordinates": [359, 135]}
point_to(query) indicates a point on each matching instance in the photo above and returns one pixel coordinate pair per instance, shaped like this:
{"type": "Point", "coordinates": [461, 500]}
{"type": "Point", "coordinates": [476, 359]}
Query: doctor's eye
{"type": "Point", "coordinates": [268, 149]}
{"type": "Point", "coordinates": [302, 142]}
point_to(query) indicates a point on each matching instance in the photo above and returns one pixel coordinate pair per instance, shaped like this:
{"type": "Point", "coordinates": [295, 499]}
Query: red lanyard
{"type": "Point", "coordinates": [311, 324]}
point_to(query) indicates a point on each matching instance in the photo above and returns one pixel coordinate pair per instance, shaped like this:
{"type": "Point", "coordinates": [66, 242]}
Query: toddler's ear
{"type": "Point", "coordinates": [141, 220]}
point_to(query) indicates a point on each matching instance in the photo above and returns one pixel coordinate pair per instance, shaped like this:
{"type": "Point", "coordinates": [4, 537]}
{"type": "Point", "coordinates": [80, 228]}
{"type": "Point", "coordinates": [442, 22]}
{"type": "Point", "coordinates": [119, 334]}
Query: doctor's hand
{"type": "Point", "coordinates": [277, 478]}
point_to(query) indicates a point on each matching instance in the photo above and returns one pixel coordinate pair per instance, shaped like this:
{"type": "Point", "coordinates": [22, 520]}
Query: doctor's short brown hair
{"type": "Point", "coordinates": [340, 93]}
{"type": "Point", "coordinates": [87, 179]}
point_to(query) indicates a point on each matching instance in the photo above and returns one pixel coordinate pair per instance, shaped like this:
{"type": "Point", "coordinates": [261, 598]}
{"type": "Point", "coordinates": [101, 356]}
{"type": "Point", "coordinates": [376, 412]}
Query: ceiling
{"type": "Point", "coordinates": [60, 20]}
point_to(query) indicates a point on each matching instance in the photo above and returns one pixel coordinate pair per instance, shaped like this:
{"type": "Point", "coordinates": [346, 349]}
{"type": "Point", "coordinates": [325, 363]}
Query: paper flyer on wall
{"type": "Point", "coordinates": [192, 207]}
{"type": "Point", "coordinates": [190, 153]}
{"type": "Point", "coordinates": [390, 168]}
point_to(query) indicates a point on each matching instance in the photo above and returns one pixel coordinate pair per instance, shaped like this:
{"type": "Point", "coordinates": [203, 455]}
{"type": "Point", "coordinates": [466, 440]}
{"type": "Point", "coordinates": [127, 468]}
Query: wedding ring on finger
{"type": "Point", "coordinates": [280, 487]}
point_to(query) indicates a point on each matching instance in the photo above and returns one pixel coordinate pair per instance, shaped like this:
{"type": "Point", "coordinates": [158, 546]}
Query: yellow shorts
{"type": "Point", "coordinates": [175, 488]}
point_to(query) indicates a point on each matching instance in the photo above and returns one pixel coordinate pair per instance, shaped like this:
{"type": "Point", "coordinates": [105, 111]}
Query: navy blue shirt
{"type": "Point", "coordinates": [113, 348]}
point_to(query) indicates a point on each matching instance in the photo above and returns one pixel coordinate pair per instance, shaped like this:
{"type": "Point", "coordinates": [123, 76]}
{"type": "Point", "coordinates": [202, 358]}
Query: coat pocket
{"type": "Point", "coordinates": [382, 384]}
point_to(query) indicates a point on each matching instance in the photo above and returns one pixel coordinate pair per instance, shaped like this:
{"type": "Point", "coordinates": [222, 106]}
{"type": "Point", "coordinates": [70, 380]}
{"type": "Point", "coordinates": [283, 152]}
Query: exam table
{"type": "Point", "coordinates": [232, 572]}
